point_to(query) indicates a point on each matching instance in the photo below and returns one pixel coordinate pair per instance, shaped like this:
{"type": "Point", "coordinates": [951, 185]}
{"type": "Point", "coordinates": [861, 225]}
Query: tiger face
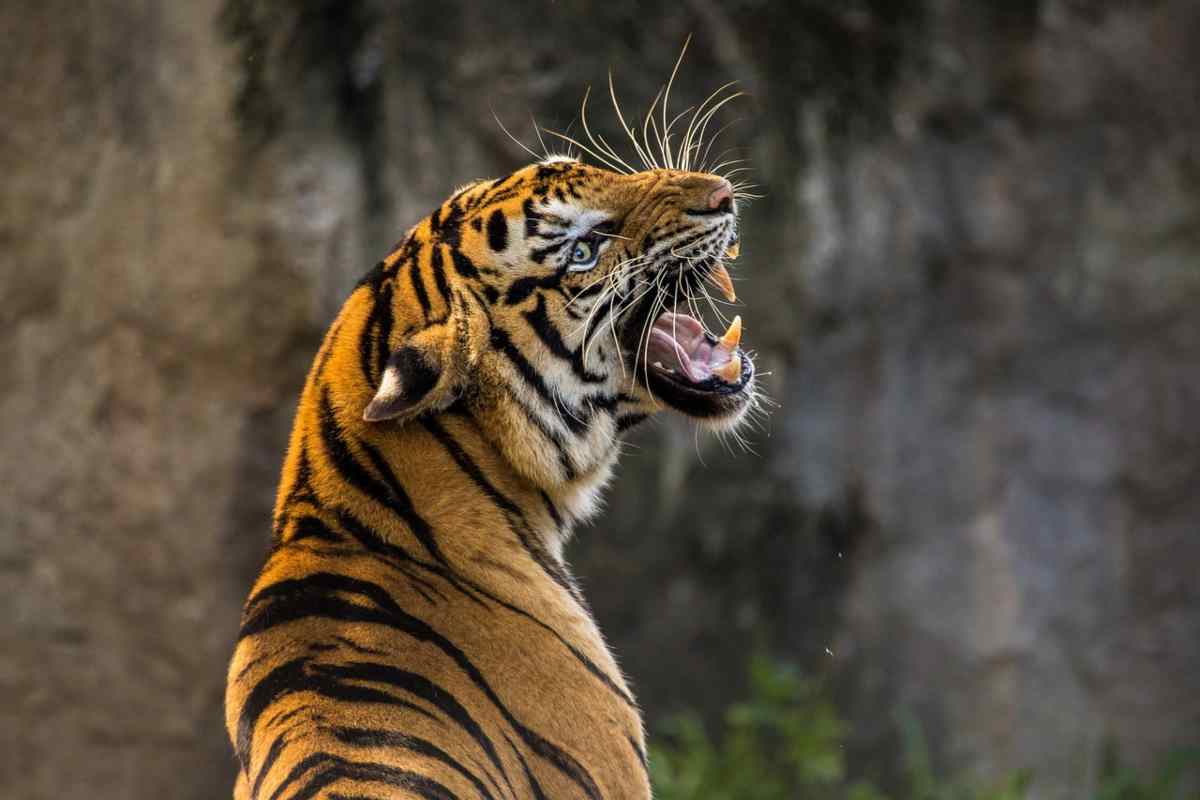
{"type": "Point", "coordinates": [555, 303]}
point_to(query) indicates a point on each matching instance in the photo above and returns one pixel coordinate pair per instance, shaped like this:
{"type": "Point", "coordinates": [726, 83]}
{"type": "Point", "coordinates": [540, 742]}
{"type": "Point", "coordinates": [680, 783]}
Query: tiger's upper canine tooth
{"type": "Point", "coordinates": [730, 371]}
{"type": "Point", "coordinates": [732, 251]}
{"type": "Point", "coordinates": [734, 335]}
{"type": "Point", "coordinates": [720, 276]}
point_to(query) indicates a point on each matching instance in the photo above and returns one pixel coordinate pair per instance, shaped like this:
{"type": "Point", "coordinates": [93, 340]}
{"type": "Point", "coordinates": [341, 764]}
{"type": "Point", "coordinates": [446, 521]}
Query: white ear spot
{"type": "Point", "coordinates": [388, 398]}
{"type": "Point", "coordinates": [406, 383]}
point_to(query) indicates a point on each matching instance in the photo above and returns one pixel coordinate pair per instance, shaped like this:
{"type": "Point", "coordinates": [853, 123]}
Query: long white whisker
{"type": "Point", "coordinates": [644, 350]}
{"type": "Point", "coordinates": [646, 161]}
{"type": "Point", "coordinates": [620, 265]}
{"type": "Point", "coordinates": [538, 131]}
{"type": "Point", "coordinates": [588, 150]}
{"type": "Point", "coordinates": [718, 158]}
{"type": "Point", "coordinates": [708, 115]}
{"type": "Point", "coordinates": [720, 316]}
{"type": "Point", "coordinates": [691, 131]}
{"type": "Point", "coordinates": [600, 145]}
{"type": "Point", "coordinates": [662, 145]}
{"type": "Point", "coordinates": [667, 98]}
{"type": "Point", "coordinates": [601, 299]}
{"type": "Point", "coordinates": [667, 135]}
{"type": "Point", "coordinates": [717, 169]}
{"type": "Point", "coordinates": [518, 142]}
{"type": "Point", "coordinates": [608, 295]}
{"type": "Point", "coordinates": [646, 129]}
{"type": "Point", "coordinates": [713, 140]}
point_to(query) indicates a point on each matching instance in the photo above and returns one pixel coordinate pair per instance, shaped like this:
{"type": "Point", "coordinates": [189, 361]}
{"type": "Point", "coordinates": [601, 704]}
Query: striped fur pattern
{"type": "Point", "coordinates": [415, 632]}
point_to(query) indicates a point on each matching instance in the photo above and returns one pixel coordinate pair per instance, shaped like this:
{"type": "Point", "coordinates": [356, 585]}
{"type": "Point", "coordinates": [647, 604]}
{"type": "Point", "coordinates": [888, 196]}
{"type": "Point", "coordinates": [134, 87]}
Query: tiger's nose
{"type": "Point", "coordinates": [722, 197]}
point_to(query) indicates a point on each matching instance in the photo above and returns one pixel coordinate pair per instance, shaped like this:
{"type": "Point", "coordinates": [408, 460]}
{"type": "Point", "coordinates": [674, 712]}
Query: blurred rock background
{"type": "Point", "coordinates": [974, 277]}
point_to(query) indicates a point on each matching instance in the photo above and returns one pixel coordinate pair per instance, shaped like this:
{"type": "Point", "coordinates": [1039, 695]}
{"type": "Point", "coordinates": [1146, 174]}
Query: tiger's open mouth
{"type": "Point", "coordinates": [681, 351]}
{"type": "Point", "coordinates": [692, 370]}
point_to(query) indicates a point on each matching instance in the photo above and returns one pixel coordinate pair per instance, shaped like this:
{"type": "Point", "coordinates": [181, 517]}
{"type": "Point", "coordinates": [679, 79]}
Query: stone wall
{"type": "Point", "coordinates": [973, 278]}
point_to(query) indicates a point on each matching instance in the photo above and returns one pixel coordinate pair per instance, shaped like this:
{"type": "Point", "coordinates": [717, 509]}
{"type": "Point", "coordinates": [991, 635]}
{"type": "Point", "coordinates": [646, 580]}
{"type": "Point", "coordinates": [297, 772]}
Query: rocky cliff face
{"type": "Point", "coordinates": [974, 277]}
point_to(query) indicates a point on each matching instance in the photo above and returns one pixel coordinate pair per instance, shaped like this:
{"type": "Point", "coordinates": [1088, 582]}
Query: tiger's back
{"type": "Point", "coordinates": [415, 631]}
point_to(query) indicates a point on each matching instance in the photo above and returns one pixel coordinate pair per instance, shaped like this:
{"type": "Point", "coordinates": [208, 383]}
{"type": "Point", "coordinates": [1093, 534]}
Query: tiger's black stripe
{"type": "Point", "coordinates": [384, 322]}
{"type": "Point", "coordinates": [301, 491]}
{"type": "Point", "coordinates": [497, 231]}
{"type": "Point", "coordinates": [688, 240]}
{"type": "Point", "coordinates": [329, 768]}
{"type": "Point", "coordinates": [313, 596]}
{"type": "Point", "coordinates": [388, 495]}
{"type": "Point", "coordinates": [462, 264]}
{"type": "Point", "coordinates": [552, 436]}
{"type": "Point", "coordinates": [627, 421]}
{"type": "Point", "coordinates": [418, 284]}
{"type": "Point", "coordinates": [438, 267]}
{"type": "Point", "coordinates": [292, 677]}
{"type": "Point", "coordinates": [358, 648]}
{"type": "Point", "coordinates": [398, 558]}
{"type": "Point", "coordinates": [374, 737]}
{"type": "Point", "coordinates": [310, 527]}
{"type": "Point", "coordinates": [540, 322]}
{"type": "Point", "coordinates": [538, 256]}
{"type": "Point", "coordinates": [552, 510]}
{"type": "Point", "coordinates": [328, 347]}
{"type": "Point", "coordinates": [597, 319]}
{"type": "Point", "coordinates": [538, 794]}
{"type": "Point", "coordinates": [522, 288]}
{"type": "Point", "coordinates": [448, 228]}
{"type": "Point", "coordinates": [372, 542]}
{"type": "Point", "coordinates": [502, 342]}
{"type": "Point", "coordinates": [391, 615]}
{"type": "Point", "coordinates": [640, 753]}
{"type": "Point", "coordinates": [577, 420]}
{"type": "Point", "coordinates": [420, 686]}
{"type": "Point", "coordinates": [532, 218]}
{"type": "Point", "coordinates": [511, 510]}
{"type": "Point", "coordinates": [368, 343]}
{"type": "Point", "coordinates": [402, 504]}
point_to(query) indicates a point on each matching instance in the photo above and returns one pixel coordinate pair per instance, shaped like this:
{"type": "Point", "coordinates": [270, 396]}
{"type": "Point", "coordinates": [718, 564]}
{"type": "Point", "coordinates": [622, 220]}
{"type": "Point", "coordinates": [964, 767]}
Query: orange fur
{"type": "Point", "coordinates": [415, 632]}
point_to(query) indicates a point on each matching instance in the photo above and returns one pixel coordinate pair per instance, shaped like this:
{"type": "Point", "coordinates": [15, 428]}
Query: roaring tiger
{"type": "Point", "coordinates": [415, 632]}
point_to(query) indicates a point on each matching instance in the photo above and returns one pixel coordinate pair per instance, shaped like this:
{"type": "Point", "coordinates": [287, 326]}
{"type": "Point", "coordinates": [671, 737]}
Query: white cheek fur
{"type": "Point", "coordinates": [581, 220]}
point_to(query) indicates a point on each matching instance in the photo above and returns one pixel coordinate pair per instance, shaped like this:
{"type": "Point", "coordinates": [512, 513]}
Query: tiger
{"type": "Point", "coordinates": [415, 631]}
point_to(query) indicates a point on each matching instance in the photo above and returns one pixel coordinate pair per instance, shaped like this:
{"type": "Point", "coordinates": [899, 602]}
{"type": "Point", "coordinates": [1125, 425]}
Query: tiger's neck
{"type": "Point", "coordinates": [441, 487]}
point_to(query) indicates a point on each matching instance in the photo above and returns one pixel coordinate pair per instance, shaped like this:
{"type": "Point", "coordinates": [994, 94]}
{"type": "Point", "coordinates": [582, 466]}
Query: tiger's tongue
{"type": "Point", "coordinates": [678, 342]}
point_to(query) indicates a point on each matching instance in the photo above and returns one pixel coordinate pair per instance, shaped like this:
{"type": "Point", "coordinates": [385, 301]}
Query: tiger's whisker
{"type": "Point", "coordinates": [667, 99]}
{"type": "Point", "coordinates": [646, 160]}
{"type": "Point", "coordinates": [589, 151]}
{"type": "Point", "coordinates": [517, 141]}
{"type": "Point", "coordinates": [600, 145]}
{"type": "Point", "coordinates": [690, 133]}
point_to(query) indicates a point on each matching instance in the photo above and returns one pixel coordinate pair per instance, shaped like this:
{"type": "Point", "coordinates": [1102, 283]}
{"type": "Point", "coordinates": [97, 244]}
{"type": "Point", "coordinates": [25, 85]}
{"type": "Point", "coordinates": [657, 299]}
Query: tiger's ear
{"type": "Point", "coordinates": [410, 385]}
{"type": "Point", "coordinates": [429, 369]}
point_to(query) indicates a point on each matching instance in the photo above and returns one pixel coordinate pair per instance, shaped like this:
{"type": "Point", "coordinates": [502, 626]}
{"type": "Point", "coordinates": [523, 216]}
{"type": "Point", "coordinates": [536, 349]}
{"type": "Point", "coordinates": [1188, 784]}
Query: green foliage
{"type": "Point", "coordinates": [1119, 782]}
{"type": "Point", "coordinates": [925, 784]}
{"type": "Point", "coordinates": [787, 741]}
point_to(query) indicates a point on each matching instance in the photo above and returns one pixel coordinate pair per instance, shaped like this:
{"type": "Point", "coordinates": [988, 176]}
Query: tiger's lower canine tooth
{"type": "Point", "coordinates": [720, 276]}
{"type": "Point", "coordinates": [734, 335]}
{"type": "Point", "coordinates": [732, 252]}
{"type": "Point", "coordinates": [731, 371]}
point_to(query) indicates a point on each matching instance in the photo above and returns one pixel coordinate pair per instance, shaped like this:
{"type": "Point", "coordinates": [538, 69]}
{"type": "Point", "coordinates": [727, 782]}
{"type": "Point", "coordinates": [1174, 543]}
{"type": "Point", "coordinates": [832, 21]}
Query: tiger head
{"type": "Point", "coordinates": [554, 304]}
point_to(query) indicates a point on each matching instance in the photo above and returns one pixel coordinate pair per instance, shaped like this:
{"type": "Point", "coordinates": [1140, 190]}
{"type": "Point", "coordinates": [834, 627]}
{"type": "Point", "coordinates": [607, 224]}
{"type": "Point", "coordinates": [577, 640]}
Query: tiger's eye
{"type": "Point", "coordinates": [582, 253]}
